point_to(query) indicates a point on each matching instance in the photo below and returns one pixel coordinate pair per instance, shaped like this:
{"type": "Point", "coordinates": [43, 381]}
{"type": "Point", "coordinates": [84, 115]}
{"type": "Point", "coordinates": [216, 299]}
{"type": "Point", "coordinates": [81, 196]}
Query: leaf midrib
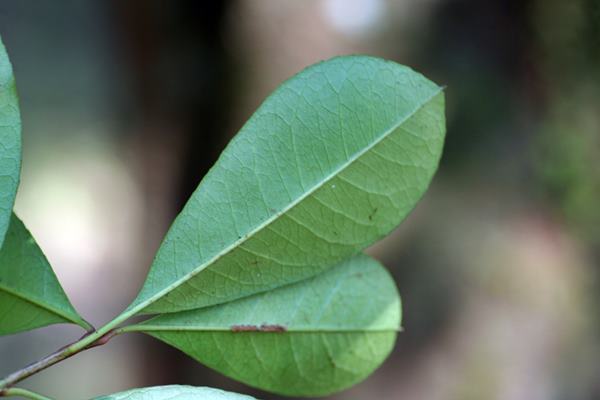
{"type": "Point", "coordinates": [159, 328]}
{"type": "Point", "coordinates": [145, 303]}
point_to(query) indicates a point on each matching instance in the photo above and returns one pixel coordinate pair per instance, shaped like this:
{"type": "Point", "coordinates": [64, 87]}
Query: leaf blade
{"type": "Point", "coordinates": [30, 295]}
{"type": "Point", "coordinates": [310, 338]}
{"type": "Point", "coordinates": [175, 392]}
{"type": "Point", "coordinates": [10, 141]}
{"type": "Point", "coordinates": [276, 208]}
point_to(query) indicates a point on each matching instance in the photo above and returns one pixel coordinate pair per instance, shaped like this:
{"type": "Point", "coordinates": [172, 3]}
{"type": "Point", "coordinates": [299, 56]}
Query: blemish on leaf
{"type": "Point", "coordinates": [261, 328]}
{"type": "Point", "coordinates": [272, 328]}
{"type": "Point", "coordinates": [373, 214]}
{"type": "Point", "coordinates": [244, 328]}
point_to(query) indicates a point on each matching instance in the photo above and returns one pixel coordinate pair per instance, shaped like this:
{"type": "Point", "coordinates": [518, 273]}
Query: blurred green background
{"type": "Point", "coordinates": [126, 104]}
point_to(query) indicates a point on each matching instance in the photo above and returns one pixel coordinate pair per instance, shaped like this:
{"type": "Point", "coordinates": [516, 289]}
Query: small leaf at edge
{"type": "Point", "coordinates": [10, 141]}
{"type": "Point", "coordinates": [30, 294]}
{"type": "Point", "coordinates": [175, 392]}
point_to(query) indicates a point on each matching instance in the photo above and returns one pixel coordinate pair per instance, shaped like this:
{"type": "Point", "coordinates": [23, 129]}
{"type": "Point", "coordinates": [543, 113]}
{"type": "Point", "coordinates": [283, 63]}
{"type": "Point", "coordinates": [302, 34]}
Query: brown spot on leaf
{"type": "Point", "coordinates": [272, 328]}
{"type": "Point", "coordinates": [261, 328]}
{"type": "Point", "coordinates": [244, 328]}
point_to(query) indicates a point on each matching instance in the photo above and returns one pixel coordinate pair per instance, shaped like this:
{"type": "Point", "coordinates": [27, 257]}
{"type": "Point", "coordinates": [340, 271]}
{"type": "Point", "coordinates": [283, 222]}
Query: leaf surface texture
{"type": "Point", "coordinates": [331, 162]}
{"type": "Point", "coordinates": [10, 141]}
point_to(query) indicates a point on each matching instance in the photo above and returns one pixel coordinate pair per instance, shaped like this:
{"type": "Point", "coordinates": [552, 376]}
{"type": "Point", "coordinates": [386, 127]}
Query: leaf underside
{"type": "Point", "coordinates": [175, 392]}
{"type": "Point", "coordinates": [10, 142]}
{"type": "Point", "coordinates": [30, 294]}
{"type": "Point", "coordinates": [331, 162]}
{"type": "Point", "coordinates": [310, 338]}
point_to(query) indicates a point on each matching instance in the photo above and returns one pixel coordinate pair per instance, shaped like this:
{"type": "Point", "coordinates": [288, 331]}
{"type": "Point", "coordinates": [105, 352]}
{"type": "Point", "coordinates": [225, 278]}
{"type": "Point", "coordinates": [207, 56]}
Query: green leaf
{"type": "Point", "coordinates": [175, 392]}
{"type": "Point", "coordinates": [310, 338]}
{"type": "Point", "coordinates": [331, 162]}
{"type": "Point", "coordinates": [30, 295]}
{"type": "Point", "coordinates": [10, 141]}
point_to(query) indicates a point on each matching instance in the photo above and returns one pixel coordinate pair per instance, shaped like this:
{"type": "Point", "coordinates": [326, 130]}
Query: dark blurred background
{"type": "Point", "coordinates": [126, 104]}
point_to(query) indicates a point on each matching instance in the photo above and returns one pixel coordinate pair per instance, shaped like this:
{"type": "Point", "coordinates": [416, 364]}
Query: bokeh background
{"type": "Point", "coordinates": [126, 104]}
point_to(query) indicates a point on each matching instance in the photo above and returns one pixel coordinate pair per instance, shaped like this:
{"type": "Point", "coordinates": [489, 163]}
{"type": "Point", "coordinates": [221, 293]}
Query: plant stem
{"type": "Point", "coordinates": [88, 341]}
{"type": "Point", "coordinates": [13, 392]}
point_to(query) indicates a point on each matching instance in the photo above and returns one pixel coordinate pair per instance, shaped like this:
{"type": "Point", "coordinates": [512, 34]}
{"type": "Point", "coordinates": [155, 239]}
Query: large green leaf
{"type": "Point", "coordinates": [30, 295]}
{"type": "Point", "coordinates": [175, 392]}
{"type": "Point", "coordinates": [332, 161]}
{"type": "Point", "coordinates": [10, 141]}
{"type": "Point", "coordinates": [310, 338]}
